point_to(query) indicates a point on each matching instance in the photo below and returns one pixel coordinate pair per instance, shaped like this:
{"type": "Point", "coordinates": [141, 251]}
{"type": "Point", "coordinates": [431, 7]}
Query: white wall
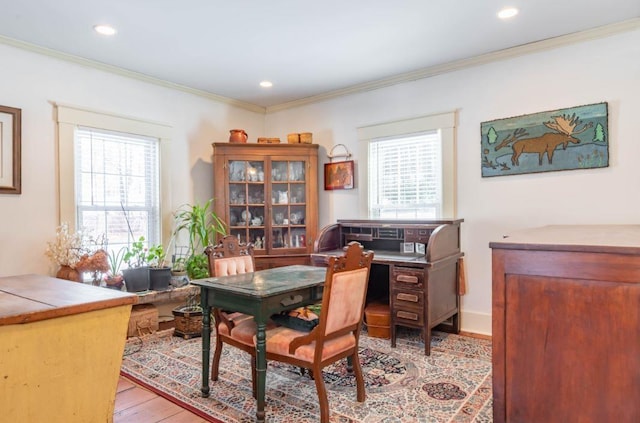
{"type": "Point", "coordinates": [32, 82]}
{"type": "Point", "coordinates": [606, 69]}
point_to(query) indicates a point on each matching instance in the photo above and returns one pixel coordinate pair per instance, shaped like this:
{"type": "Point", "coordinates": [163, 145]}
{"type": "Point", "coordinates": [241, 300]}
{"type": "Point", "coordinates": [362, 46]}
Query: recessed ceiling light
{"type": "Point", "coordinates": [508, 12]}
{"type": "Point", "coordinates": [266, 84]}
{"type": "Point", "coordinates": [105, 29]}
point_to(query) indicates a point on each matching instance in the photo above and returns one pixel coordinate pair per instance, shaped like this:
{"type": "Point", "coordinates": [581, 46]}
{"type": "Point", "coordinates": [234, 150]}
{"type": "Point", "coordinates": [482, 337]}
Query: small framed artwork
{"type": "Point", "coordinates": [407, 247]}
{"type": "Point", "coordinates": [338, 175]}
{"type": "Point", "coordinates": [10, 133]}
{"type": "Point", "coordinates": [420, 248]}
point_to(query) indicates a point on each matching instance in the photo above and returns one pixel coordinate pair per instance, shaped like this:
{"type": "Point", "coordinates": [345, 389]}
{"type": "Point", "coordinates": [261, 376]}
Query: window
{"type": "Point", "coordinates": [107, 162]}
{"type": "Point", "coordinates": [405, 177]}
{"type": "Point", "coordinates": [410, 168]}
{"type": "Point", "coordinates": [117, 188]}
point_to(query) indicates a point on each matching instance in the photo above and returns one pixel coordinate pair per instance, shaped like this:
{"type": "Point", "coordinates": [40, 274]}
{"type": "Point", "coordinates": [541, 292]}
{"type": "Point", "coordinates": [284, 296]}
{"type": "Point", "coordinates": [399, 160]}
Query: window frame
{"type": "Point", "coordinates": [71, 117]}
{"type": "Point", "coordinates": [443, 122]}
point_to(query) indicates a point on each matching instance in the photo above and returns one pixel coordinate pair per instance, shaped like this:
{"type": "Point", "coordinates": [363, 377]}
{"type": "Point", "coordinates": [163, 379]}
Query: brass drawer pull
{"type": "Point", "coordinates": [407, 297]}
{"type": "Point", "coordinates": [407, 315]}
{"type": "Point", "coordinates": [407, 278]}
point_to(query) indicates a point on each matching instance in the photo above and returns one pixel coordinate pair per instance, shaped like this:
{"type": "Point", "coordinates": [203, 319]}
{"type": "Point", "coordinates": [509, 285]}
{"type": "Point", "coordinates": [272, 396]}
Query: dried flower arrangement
{"type": "Point", "coordinates": [77, 253]}
{"type": "Point", "coordinates": [68, 247]}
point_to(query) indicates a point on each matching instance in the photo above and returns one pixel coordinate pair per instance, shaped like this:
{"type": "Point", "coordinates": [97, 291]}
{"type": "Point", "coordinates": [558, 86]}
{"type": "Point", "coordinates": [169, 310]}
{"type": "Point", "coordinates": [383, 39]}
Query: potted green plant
{"type": "Point", "coordinates": [179, 267]}
{"type": "Point", "coordinates": [159, 272]}
{"type": "Point", "coordinates": [136, 275]}
{"type": "Point", "coordinates": [201, 224]}
{"type": "Point", "coordinates": [113, 278]}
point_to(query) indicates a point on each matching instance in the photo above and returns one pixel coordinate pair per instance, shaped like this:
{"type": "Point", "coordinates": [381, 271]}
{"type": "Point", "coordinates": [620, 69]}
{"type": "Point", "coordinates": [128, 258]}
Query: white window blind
{"type": "Point", "coordinates": [117, 179]}
{"type": "Point", "coordinates": [405, 176]}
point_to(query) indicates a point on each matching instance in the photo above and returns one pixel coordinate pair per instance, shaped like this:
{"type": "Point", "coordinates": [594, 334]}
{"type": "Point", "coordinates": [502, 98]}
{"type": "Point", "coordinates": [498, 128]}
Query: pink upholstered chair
{"type": "Point", "coordinates": [230, 257]}
{"type": "Point", "coordinates": [338, 331]}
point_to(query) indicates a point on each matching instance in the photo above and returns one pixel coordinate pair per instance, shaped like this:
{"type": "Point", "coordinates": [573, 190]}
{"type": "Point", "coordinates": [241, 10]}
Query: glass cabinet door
{"type": "Point", "coordinates": [288, 204]}
{"type": "Point", "coordinates": [246, 201]}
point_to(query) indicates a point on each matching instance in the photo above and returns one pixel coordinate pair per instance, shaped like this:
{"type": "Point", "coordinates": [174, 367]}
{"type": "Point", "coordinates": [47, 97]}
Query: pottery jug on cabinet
{"type": "Point", "coordinates": [238, 135]}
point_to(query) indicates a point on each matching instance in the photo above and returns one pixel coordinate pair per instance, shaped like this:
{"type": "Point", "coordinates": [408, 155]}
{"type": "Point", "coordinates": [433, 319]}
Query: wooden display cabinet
{"type": "Point", "coordinates": [268, 195]}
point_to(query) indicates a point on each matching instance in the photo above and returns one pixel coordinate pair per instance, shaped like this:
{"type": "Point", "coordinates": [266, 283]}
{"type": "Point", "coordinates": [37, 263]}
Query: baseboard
{"type": "Point", "coordinates": [474, 322]}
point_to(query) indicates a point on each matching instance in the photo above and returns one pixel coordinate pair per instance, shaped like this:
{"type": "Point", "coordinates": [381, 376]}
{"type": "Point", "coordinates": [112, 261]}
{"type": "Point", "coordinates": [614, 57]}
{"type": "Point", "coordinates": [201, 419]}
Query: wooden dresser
{"type": "Point", "coordinates": [420, 283]}
{"type": "Point", "coordinates": [566, 325]}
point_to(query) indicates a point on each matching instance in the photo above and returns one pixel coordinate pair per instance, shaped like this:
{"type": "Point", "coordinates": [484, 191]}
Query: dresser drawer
{"type": "Point", "coordinates": [407, 277]}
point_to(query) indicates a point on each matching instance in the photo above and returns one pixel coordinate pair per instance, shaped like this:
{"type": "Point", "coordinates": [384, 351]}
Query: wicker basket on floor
{"type": "Point", "coordinates": [188, 322]}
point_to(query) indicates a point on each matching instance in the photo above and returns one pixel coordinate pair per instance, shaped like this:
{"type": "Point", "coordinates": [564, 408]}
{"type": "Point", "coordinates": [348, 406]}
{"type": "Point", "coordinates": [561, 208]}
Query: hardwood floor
{"type": "Point", "coordinates": [135, 404]}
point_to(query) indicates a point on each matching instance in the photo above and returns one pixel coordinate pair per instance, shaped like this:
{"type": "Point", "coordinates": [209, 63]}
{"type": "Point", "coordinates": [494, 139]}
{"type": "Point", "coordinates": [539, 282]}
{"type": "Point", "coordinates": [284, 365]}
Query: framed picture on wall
{"type": "Point", "coordinates": [338, 175]}
{"type": "Point", "coordinates": [562, 139]}
{"type": "Point", "coordinates": [10, 145]}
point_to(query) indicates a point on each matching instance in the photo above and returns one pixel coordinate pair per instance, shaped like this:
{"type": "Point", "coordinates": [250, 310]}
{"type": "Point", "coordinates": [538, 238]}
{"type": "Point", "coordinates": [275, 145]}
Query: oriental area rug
{"type": "Point", "coordinates": [402, 384]}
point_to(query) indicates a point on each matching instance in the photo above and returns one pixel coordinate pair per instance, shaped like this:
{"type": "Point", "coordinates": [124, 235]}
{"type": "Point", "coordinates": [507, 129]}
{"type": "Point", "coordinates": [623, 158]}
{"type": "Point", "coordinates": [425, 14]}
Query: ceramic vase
{"type": "Point", "coordinates": [68, 273]}
{"type": "Point", "coordinates": [238, 136]}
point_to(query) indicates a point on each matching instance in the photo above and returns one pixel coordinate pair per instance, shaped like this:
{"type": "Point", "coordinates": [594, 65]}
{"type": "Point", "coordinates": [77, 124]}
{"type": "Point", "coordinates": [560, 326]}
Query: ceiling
{"type": "Point", "coordinates": [308, 49]}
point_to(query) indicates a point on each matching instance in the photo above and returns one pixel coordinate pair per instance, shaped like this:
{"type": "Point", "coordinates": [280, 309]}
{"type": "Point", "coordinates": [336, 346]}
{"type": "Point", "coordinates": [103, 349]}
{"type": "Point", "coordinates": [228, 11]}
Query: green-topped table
{"type": "Point", "coordinates": [259, 294]}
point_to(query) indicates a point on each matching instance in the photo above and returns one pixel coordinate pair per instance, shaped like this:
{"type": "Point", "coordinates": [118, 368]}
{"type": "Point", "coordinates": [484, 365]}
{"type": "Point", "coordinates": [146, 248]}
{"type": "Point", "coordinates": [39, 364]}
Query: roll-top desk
{"type": "Point", "coordinates": [415, 268]}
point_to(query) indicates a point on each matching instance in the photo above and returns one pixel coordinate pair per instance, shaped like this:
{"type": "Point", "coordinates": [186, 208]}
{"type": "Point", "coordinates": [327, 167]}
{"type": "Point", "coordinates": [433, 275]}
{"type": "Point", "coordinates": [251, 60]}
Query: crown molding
{"type": "Point", "coordinates": [127, 73]}
{"type": "Point", "coordinates": [538, 46]}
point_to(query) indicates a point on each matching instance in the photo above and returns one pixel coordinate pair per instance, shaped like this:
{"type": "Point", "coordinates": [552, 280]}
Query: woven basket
{"type": "Point", "coordinates": [377, 319]}
{"type": "Point", "coordinates": [188, 323]}
{"type": "Point", "coordinates": [293, 138]}
{"type": "Point", "coordinates": [263, 140]}
{"type": "Point", "coordinates": [306, 137]}
{"type": "Point", "coordinates": [143, 320]}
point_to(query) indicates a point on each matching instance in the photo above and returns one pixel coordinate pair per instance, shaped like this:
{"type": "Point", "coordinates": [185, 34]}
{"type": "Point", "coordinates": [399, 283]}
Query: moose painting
{"type": "Point", "coordinates": [572, 138]}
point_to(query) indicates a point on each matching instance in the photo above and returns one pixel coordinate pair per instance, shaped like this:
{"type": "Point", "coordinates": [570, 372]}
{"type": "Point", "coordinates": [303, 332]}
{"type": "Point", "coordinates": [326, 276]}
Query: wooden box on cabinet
{"type": "Point", "coordinates": [268, 195]}
{"type": "Point", "coordinates": [566, 325]}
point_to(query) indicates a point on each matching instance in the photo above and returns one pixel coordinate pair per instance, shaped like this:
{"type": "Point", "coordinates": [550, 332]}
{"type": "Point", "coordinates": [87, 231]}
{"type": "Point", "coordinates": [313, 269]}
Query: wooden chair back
{"type": "Point", "coordinates": [338, 330]}
{"type": "Point", "coordinates": [230, 257]}
{"type": "Point", "coordinates": [345, 292]}
{"type": "Point", "coordinates": [343, 298]}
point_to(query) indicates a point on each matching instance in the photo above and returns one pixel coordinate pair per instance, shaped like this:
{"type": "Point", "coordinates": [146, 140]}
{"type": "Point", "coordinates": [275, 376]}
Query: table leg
{"type": "Point", "coordinates": [261, 369]}
{"type": "Point", "coordinates": [206, 341]}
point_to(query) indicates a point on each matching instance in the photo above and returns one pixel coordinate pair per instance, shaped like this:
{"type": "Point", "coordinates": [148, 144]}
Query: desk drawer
{"type": "Point", "coordinates": [408, 316]}
{"type": "Point", "coordinates": [401, 299]}
{"type": "Point", "coordinates": [417, 235]}
{"type": "Point", "coordinates": [294, 300]}
{"type": "Point", "coordinates": [407, 277]}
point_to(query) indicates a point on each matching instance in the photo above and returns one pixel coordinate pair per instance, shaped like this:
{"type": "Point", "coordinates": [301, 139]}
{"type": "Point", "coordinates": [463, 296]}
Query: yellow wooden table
{"type": "Point", "coordinates": [61, 346]}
